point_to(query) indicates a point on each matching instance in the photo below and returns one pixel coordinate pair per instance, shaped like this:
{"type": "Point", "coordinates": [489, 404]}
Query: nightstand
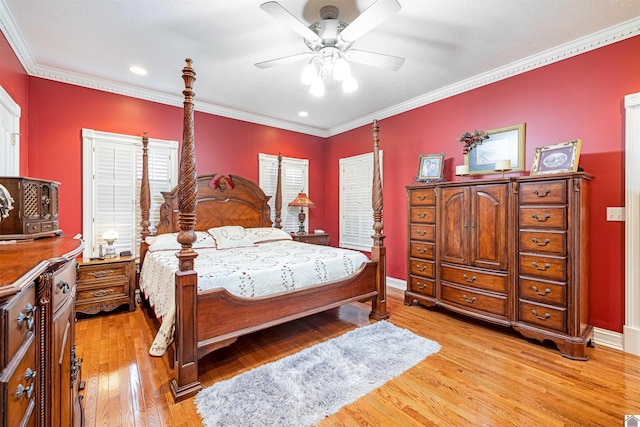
{"type": "Point", "coordinates": [104, 285]}
{"type": "Point", "coordinates": [314, 239]}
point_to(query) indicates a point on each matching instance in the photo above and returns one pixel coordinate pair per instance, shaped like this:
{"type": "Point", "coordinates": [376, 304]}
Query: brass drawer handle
{"type": "Point", "coordinates": [422, 286]}
{"type": "Point", "coordinates": [546, 266]}
{"type": "Point", "coordinates": [102, 293]}
{"type": "Point", "coordinates": [546, 315]}
{"type": "Point", "coordinates": [422, 197]}
{"type": "Point", "coordinates": [546, 291]}
{"type": "Point", "coordinates": [467, 278]}
{"type": "Point", "coordinates": [470, 301]}
{"type": "Point", "coordinates": [64, 286]}
{"type": "Point", "coordinates": [545, 243]}
{"type": "Point", "coordinates": [422, 233]}
{"type": "Point", "coordinates": [422, 251]}
{"type": "Point", "coordinates": [421, 268]}
{"type": "Point", "coordinates": [100, 274]}
{"type": "Point", "coordinates": [27, 316]}
{"type": "Point", "coordinates": [22, 390]}
{"type": "Point", "coordinates": [546, 217]}
{"type": "Point", "coordinates": [546, 193]}
{"type": "Point", "coordinates": [422, 215]}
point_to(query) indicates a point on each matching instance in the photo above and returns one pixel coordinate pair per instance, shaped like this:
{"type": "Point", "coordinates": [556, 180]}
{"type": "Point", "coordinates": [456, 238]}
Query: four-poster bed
{"type": "Point", "coordinates": [206, 320]}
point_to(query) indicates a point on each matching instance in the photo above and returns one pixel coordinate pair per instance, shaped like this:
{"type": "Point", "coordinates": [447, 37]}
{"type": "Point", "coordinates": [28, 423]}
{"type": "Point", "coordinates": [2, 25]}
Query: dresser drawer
{"type": "Point", "coordinates": [18, 322]}
{"type": "Point", "coordinates": [468, 299]}
{"type": "Point", "coordinates": [543, 217]}
{"type": "Point", "coordinates": [543, 192]}
{"type": "Point", "coordinates": [423, 286]}
{"type": "Point", "coordinates": [423, 232]}
{"type": "Point", "coordinates": [543, 315]}
{"type": "Point", "coordinates": [544, 292]}
{"type": "Point", "coordinates": [424, 250]}
{"type": "Point", "coordinates": [423, 268]}
{"type": "Point", "coordinates": [106, 272]}
{"type": "Point", "coordinates": [544, 267]}
{"type": "Point", "coordinates": [495, 282]}
{"type": "Point", "coordinates": [425, 196]}
{"type": "Point", "coordinates": [64, 281]}
{"type": "Point", "coordinates": [425, 214]}
{"type": "Point", "coordinates": [550, 242]}
{"type": "Point", "coordinates": [21, 376]}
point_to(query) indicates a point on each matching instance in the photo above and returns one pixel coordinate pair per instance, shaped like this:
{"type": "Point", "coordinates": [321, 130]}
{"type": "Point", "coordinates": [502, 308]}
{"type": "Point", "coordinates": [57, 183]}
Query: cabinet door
{"type": "Point", "coordinates": [63, 340]}
{"type": "Point", "coordinates": [488, 226]}
{"type": "Point", "coordinates": [454, 234]}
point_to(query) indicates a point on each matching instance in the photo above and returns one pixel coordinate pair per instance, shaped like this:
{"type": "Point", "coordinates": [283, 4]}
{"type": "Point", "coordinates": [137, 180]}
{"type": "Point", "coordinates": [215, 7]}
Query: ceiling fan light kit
{"type": "Point", "coordinates": [329, 41]}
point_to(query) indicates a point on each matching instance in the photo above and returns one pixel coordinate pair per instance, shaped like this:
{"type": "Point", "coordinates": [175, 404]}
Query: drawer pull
{"type": "Point", "coordinates": [27, 316]}
{"type": "Point", "coordinates": [545, 243]}
{"type": "Point", "coordinates": [422, 214]}
{"type": "Point", "coordinates": [422, 251]}
{"type": "Point", "coordinates": [470, 301]}
{"type": "Point", "coordinates": [546, 266]}
{"type": "Point", "coordinates": [64, 286]}
{"type": "Point", "coordinates": [473, 278]}
{"type": "Point", "coordinates": [422, 233]}
{"type": "Point", "coordinates": [22, 390]}
{"type": "Point", "coordinates": [537, 218]}
{"type": "Point", "coordinates": [422, 197]}
{"type": "Point", "coordinates": [422, 286]}
{"type": "Point", "coordinates": [546, 193]}
{"type": "Point", "coordinates": [29, 374]}
{"type": "Point", "coordinates": [100, 274]}
{"type": "Point", "coordinates": [546, 315]}
{"type": "Point", "coordinates": [102, 293]}
{"type": "Point", "coordinates": [421, 268]}
{"type": "Point", "coordinates": [546, 291]}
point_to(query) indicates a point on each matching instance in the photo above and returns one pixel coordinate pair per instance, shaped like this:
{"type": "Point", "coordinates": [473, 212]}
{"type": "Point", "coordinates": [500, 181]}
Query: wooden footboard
{"type": "Point", "coordinates": [213, 319]}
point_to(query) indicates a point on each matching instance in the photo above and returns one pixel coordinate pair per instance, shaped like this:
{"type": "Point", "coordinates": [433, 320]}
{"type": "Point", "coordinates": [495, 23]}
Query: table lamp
{"type": "Point", "coordinates": [302, 201]}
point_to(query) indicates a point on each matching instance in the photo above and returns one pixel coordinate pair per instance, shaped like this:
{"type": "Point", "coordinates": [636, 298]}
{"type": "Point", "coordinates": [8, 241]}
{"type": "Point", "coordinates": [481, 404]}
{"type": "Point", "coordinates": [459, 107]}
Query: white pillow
{"type": "Point", "coordinates": [230, 236]}
{"type": "Point", "coordinates": [267, 234]}
{"type": "Point", "coordinates": [165, 242]}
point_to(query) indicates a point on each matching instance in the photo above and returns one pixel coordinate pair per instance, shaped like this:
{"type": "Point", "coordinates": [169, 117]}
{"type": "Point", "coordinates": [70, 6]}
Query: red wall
{"type": "Point", "coordinates": [581, 97]}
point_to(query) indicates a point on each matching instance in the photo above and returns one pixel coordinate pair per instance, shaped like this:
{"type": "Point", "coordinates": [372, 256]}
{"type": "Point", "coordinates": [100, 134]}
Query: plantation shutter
{"type": "Point", "coordinates": [356, 211]}
{"type": "Point", "coordinates": [112, 169]}
{"type": "Point", "coordinates": [295, 178]}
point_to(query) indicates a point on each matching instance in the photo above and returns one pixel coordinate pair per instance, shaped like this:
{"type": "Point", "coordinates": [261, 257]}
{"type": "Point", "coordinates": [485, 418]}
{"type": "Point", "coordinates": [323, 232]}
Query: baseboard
{"type": "Point", "coordinates": [629, 342]}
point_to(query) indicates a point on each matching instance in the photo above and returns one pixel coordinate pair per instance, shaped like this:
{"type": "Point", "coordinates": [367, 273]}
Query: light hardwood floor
{"type": "Point", "coordinates": [482, 376]}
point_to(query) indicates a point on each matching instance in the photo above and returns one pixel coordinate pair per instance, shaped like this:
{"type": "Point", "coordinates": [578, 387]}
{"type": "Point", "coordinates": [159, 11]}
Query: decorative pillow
{"type": "Point", "coordinates": [165, 242]}
{"type": "Point", "coordinates": [267, 234]}
{"type": "Point", "coordinates": [230, 236]}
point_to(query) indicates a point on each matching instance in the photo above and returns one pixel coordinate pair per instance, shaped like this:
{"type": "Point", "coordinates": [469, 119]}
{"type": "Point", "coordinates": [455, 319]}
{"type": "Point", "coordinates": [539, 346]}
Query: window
{"type": "Point", "coordinates": [356, 212]}
{"type": "Point", "coordinates": [295, 178]}
{"type": "Point", "coordinates": [9, 135]}
{"type": "Point", "coordinates": [111, 181]}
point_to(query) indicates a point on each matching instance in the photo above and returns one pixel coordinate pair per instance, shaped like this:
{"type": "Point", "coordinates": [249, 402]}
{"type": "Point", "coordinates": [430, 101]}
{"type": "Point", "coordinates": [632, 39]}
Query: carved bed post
{"type": "Point", "coordinates": [185, 382]}
{"type": "Point", "coordinates": [378, 251]}
{"type": "Point", "coordinates": [279, 194]}
{"type": "Point", "coordinates": [145, 197]}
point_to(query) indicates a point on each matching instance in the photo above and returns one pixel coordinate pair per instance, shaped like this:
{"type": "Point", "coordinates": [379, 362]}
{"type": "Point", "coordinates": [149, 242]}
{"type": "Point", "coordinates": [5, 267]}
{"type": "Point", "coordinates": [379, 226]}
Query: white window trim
{"type": "Point", "coordinates": [10, 142]}
{"type": "Point", "coordinates": [91, 138]}
{"type": "Point", "coordinates": [365, 213]}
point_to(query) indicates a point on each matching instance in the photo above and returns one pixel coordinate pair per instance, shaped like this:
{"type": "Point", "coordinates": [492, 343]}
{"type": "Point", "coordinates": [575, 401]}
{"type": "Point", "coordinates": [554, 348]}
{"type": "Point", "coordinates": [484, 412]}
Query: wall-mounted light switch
{"type": "Point", "coordinates": [615, 214]}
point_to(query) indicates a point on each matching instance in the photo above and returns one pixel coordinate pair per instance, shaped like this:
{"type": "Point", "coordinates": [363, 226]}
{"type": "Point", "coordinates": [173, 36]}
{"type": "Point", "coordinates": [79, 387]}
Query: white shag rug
{"type": "Point", "coordinates": [302, 389]}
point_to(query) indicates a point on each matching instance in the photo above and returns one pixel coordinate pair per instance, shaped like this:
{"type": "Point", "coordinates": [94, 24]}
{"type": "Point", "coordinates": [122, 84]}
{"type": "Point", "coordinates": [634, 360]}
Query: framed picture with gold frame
{"type": "Point", "coordinates": [557, 158]}
{"type": "Point", "coordinates": [505, 143]}
{"type": "Point", "coordinates": [430, 168]}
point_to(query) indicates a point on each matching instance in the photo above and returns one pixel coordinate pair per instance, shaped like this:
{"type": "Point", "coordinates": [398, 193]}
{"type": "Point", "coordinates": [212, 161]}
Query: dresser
{"type": "Point", "coordinates": [510, 251]}
{"type": "Point", "coordinates": [39, 371]}
{"type": "Point", "coordinates": [104, 285]}
{"type": "Point", "coordinates": [35, 208]}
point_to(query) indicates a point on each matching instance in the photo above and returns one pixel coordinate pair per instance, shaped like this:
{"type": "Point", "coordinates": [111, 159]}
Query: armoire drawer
{"type": "Point", "coordinates": [543, 291]}
{"type": "Point", "coordinates": [425, 196]}
{"type": "Point", "coordinates": [545, 316]}
{"type": "Point", "coordinates": [465, 276]}
{"type": "Point", "coordinates": [550, 242]}
{"type": "Point", "coordinates": [544, 267]}
{"type": "Point", "coordinates": [426, 214]}
{"type": "Point", "coordinates": [543, 217]}
{"type": "Point", "coordinates": [469, 299]}
{"type": "Point", "coordinates": [543, 192]}
{"type": "Point", "coordinates": [423, 268]}
{"type": "Point", "coordinates": [422, 232]}
{"type": "Point", "coordinates": [423, 250]}
{"type": "Point", "coordinates": [423, 286]}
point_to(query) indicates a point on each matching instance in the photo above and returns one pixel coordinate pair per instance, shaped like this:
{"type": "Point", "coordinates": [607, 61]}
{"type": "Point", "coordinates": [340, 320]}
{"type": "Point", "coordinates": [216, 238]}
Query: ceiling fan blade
{"type": "Point", "coordinates": [284, 60]}
{"type": "Point", "coordinates": [374, 15]}
{"type": "Point", "coordinates": [284, 17]}
{"type": "Point", "coordinates": [379, 60]}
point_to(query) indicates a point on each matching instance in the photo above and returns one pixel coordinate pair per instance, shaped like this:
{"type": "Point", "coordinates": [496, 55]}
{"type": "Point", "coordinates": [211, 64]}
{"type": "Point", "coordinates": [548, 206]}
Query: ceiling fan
{"type": "Point", "coordinates": [329, 41]}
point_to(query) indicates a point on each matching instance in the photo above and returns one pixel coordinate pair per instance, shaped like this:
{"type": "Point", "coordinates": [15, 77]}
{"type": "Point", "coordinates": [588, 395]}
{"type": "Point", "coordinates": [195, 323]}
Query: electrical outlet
{"type": "Point", "coordinates": [615, 214]}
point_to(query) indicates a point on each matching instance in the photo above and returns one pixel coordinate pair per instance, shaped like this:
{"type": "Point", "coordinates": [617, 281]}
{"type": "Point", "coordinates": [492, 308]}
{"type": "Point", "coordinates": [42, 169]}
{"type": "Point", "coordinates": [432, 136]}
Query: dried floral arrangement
{"type": "Point", "coordinates": [470, 140]}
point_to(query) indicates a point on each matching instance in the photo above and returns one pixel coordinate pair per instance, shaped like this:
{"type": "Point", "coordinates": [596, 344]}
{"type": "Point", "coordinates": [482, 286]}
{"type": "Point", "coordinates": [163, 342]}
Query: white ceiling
{"type": "Point", "coordinates": [450, 46]}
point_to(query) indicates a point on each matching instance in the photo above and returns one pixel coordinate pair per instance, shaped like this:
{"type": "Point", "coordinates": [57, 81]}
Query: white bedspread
{"type": "Point", "coordinates": [253, 271]}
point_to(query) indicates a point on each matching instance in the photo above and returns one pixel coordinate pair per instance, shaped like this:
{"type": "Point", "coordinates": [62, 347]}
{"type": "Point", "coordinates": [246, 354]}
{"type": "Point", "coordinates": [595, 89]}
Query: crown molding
{"type": "Point", "coordinates": [593, 41]}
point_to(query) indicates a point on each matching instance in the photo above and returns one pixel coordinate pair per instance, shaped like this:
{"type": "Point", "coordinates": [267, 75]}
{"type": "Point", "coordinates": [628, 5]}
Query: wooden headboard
{"type": "Point", "coordinates": [221, 200]}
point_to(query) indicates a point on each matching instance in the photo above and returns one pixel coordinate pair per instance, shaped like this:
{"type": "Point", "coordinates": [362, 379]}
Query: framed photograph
{"type": "Point", "coordinates": [557, 158]}
{"type": "Point", "coordinates": [506, 143]}
{"type": "Point", "coordinates": [430, 168]}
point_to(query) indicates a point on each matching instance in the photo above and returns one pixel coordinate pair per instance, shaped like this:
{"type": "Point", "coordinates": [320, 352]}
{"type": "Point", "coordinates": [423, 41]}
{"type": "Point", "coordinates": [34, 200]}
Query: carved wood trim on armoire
{"type": "Point", "coordinates": [510, 251]}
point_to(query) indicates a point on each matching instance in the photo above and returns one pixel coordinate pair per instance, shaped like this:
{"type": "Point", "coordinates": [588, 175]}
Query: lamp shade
{"type": "Point", "coordinates": [110, 235]}
{"type": "Point", "coordinates": [302, 201]}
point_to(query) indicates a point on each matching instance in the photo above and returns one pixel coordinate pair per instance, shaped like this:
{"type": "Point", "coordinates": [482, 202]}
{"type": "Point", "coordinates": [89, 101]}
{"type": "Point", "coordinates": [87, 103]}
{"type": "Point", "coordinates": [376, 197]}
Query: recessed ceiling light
{"type": "Point", "coordinates": [138, 70]}
{"type": "Point", "coordinates": [303, 114]}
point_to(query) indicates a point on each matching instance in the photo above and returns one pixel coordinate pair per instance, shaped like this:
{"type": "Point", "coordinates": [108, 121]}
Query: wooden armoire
{"type": "Point", "coordinates": [511, 251]}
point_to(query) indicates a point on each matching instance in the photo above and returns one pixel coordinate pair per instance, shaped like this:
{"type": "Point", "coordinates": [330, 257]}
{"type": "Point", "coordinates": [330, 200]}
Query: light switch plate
{"type": "Point", "coordinates": [615, 214]}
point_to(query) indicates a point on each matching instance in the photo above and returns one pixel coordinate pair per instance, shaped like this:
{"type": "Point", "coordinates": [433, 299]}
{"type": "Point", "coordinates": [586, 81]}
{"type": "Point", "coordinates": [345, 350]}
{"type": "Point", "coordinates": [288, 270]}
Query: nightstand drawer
{"type": "Point", "coordinates": [108, 272]}
{"type": "Point", "coordinates": [104, 285]}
